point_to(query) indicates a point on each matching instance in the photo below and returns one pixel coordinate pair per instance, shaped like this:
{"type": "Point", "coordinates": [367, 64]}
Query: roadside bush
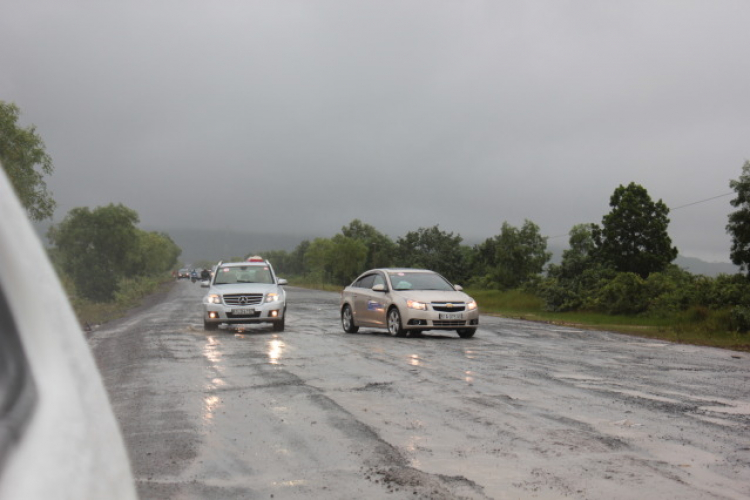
{"type": "Point", "coordinates": [726, 291]}
{"type": "Point", "coordinates": [558, 297]}
{"type": "Point", "coordinates": [131, 290]}
{"type": "Point", "coordinates": [739, 318]}
{"type": "Point", "coordinates": [670, 291]}
{"type": "Point", "coordinates": [575, 291]}
{"type": "Point", "coordinates": [627, 293]}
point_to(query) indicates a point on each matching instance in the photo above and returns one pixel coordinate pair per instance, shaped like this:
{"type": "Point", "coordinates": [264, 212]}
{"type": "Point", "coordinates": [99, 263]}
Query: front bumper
{"type": "Point", "coordinates": [414, 319]}
{"type": "Point", "coordinates": [266, 313]}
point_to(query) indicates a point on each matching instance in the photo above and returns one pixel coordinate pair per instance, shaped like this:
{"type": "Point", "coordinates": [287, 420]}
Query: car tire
{"type": "Point", "coordinates": [394, 323]}
{"type": "Point", "coordinates": [278, 326]}
{"type": "Point", "coordinates": [347, 320]}
{"type": "Point", "coordinates": [466, 333]}
{"type": "Point", "coordinates": [210, 327]}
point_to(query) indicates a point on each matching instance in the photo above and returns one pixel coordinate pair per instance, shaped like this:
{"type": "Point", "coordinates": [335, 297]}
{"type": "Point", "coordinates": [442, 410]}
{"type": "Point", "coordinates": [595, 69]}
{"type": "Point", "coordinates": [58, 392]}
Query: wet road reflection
{"type": "Point", "coordinates": [213, 354]}
{"type": "Point", "coordinates": [275, 350]}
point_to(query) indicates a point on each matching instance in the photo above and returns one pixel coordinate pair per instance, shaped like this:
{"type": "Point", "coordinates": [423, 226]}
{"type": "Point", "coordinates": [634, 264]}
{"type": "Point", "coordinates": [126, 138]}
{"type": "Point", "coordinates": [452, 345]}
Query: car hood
{"type": "Point", "coordinates": [243, 288]}
{"type": "Point", "coordinates": [432, 295]}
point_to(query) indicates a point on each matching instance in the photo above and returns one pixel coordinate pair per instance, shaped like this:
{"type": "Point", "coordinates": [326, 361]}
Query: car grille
{"type": "Point", "coordinates": [243, 299]}
{"type": "Point", "coordinates": [449, 323]}
{"type": "Point", "coordinates": [443, 306]}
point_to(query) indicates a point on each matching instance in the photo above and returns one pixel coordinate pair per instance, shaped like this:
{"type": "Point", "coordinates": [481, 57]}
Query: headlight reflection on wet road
{"type": "Point", "coordinates": [213, 354]}
{"type": "Point", "coordinates": [275, 350]}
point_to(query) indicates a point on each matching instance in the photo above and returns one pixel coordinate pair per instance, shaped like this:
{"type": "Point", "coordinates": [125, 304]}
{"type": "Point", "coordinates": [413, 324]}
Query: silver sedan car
{"type": "Point", "coordinates": [407, 300]}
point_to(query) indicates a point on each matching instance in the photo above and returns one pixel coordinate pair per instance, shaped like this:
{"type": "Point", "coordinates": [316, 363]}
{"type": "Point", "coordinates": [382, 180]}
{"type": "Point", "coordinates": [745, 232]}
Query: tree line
{"type": "Point", "coordinates": [632, 238]}
{"type": "Point", "coordinates": [621, 266]}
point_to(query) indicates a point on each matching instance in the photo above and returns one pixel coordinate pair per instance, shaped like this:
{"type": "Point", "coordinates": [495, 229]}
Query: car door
{"type": "Point", "coordinates": [360, 297]}
{"type": "Point", "coordinates": [372, 302]}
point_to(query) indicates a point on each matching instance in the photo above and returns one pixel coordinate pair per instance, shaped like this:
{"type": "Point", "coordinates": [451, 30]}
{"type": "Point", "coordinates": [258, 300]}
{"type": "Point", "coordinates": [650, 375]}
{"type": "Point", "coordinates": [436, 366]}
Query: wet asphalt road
{"type": "Point", "coordinates": [522, 410]}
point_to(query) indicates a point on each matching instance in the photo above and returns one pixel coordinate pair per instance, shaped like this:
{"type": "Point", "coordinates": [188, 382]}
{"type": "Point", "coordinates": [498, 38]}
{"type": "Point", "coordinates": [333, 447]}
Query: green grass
{"type": "Point", "coordinates": [696, 326]}
{"type": "Point", "coordinates": [315, 284]}
{"type": "Point", "coordinates": [131, 294]}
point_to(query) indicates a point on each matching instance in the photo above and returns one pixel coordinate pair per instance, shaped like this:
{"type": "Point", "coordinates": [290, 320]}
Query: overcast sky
{"type": "Point", "coordinates": [300, 116]}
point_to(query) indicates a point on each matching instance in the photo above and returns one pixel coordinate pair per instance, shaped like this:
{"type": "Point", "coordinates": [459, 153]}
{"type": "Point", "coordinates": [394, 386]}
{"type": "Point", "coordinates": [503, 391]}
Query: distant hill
{"type": "Point", "coordinates": [217, 244]}
{"type": "Point", "coordinates": [691, 264]}
{"type": "Point", "coordinates": [698, 266]}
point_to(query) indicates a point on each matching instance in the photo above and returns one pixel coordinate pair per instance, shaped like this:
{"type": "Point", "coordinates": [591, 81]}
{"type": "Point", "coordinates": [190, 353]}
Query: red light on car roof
{"type": "Point", "coordinates": [255, 258]}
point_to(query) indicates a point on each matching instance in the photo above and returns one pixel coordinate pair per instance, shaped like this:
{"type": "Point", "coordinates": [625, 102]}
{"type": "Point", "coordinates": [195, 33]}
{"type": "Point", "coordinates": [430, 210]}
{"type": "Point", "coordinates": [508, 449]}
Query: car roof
{"type": "Point", "coordinates": [243, 264]}
{"type": "Point", "coordinates": [246, 265]}
{"type": "Point", "coordinates": [402, 270]}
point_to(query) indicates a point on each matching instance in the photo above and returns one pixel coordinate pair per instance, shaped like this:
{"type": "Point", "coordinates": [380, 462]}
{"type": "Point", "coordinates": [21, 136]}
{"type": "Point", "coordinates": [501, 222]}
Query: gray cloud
{"type": "Point", "coordinates": [298, 116]}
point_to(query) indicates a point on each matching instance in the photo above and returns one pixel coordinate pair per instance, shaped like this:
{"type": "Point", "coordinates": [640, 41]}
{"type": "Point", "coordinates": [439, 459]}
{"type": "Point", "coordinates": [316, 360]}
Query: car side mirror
{"type": "Point", "coordinates": [281, 281]}
{"type": "Point", "coordinates": [378, 288]}
{"type": "Point", "coordinates": [458, 288]}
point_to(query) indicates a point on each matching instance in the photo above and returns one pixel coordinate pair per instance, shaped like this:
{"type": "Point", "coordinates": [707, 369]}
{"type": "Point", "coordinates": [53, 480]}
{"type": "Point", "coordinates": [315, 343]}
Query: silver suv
{"type": "Point", "coordinates": [244, 292]}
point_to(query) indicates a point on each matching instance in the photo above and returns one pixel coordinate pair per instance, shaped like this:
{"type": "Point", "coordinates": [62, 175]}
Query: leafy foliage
{"type": "Point", "coordinates": [633, 237]}
{"type": "Point", "coordinates": [26, 162]}
{"type": "Point", "coordinates": [513, 258]}
{"type": "Point", "coordinates": [336, 260]}
{"type": "Point", "coordinates": [99, 248]}
{"type": "Point", "coordinates": [381, 250]}
{"type": "Point", "coordinates": [739, 221]}
{"type": "Point", "coordinates": [431, 248]}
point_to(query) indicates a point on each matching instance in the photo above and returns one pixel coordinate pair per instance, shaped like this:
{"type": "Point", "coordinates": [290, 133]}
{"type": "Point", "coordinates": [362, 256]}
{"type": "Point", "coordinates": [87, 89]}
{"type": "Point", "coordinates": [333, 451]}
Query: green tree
{"type": "Point", "coordinates": [520, 255]}
{"type": "Point", "coordinates": [26, 162]}
{"type": "Point", "coordinates": [319, 259]}
{"type": "Point", "coordinates": [97, 248]}
{"type": "Point", "coordinates": [279, 259]}
{"type": "Point", "coordinates": [381, 250]}
{"type": "Point", "coordinates": [155, 253]}
{"type": "Point", "coordinates": [431, 248]}
{"type": "Point", "coordinates": [348, 256]}
{"type": "Point", "coordinates": [295, 264]}
{"type": "Point", "coordinates": [569, 284]}
{"type": "Point", "coordinates": [578, 257]}
{"type": "Point", "coordinates": [336, 260]}
{"type": "Point", "coordinates": [633, 236]}
{"type": "Point", "coordinates": [739, 221]}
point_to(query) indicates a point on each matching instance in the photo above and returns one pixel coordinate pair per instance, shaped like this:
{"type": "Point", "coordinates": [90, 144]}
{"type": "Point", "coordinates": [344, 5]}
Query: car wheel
{"type": "Point", "coordinates": [466, 333]}
{"type": "Point", "coordinates": [208, 326]}
{"type": "Point", "coordinates": [278, 326]}
{"type": "Point", "coordinates": [347, 320]}
{"type": "Point", "coordinates": [394, 323]}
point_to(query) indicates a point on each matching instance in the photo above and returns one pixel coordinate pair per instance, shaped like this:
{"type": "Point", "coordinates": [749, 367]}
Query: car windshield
{"type": "Point", "coordinates": [243, 274]}
{"type": "Point", "coordinates": [418, 281]}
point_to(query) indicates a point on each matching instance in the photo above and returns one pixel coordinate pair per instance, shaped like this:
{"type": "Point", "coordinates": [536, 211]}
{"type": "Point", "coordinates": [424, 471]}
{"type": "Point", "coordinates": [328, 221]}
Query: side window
{"type": "Point", "coordinates": [366, 281]}
{"type": "Point", "coordinates": [379, 280]}
{"type": "Point", "coordinates": [17, 391]}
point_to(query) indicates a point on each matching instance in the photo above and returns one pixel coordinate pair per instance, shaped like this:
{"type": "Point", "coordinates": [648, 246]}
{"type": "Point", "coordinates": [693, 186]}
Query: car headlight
{"type": "Point", "coordinates": [213, 299]}
{"type": "Point", "coordinates": [273, 297]}
{"type": "Point", "coordinates": [471, 305]}
{"type": "Point", "coordinates": [413, 304]}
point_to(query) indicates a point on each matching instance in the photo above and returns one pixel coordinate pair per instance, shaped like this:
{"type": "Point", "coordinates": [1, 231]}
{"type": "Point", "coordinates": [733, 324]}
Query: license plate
{"type": "Point", "coordinates": [451, 316]}
{"type": "Point", "coordinates": [243, 312]}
